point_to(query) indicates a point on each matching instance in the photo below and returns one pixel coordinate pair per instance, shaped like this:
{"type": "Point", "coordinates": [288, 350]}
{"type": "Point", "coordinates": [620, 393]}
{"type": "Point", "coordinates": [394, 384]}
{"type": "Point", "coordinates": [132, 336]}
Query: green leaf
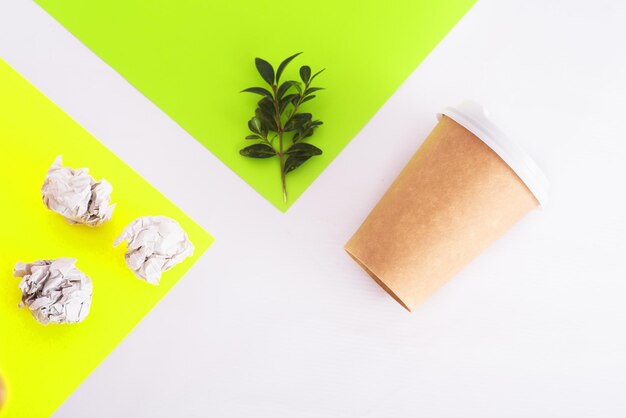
{"type": "Point", "coordinates": [307, 98]}
{"type": "Point", "coordinates": [256, 126]}
{"type": "Point", "coordinates": [296, 121]}
{"type": "Point", "coordinates": [285, 101]}
{"type": "Point", "coordinates": [284, 64]}
{"type": "Point", "coordinates": [265, 69]}
{"type": "Point", "coordinates": [294, 162]}
{"type": "Point", "coordinates": [317, 73]}
{"type": "Point", "coordinates": [306, 130]}
{"type": "Point", "coordinates": [258, 90]}
{"type": "Point", "coordinates": [253, 137]}
{"type": "Point", "coordinates": [303, 149]}
{"type": "Point", "coordinates": [267, 120]}
{"type": "Point", "coordinates": [286, 86]}
{"type": "Point", "coordinates": [312, 90]}
{"type": "Point", "coordinates": [267, 106]}
{"type": "Point", "coordinates": [258, 151]}
{"type": "Point", "coordinates": [305, 73]}
{"type": "Point", "coordinates": [303, 116]}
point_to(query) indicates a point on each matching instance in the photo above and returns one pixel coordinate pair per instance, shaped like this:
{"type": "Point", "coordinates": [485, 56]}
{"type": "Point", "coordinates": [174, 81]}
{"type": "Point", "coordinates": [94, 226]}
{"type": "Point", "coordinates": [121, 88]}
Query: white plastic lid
{"type": "Point", "coordinates": [472, 116]}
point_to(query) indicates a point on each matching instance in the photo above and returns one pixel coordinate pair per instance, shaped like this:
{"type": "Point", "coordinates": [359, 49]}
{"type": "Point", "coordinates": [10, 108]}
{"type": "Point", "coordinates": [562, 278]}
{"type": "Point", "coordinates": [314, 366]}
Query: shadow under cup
{"type": "Point", "coordinates": [454, 198]}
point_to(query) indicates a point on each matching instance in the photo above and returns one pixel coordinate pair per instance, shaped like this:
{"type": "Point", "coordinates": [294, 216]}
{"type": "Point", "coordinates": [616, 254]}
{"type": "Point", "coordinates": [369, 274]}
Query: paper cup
{"type": "Point", "coordinates": [464, 187]}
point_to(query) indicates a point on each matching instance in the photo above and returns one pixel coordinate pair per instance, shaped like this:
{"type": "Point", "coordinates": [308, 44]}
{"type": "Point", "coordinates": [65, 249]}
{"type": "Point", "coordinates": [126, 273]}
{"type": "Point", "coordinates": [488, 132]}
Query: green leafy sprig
{"type": "Point", "coordinates": [278, 125]}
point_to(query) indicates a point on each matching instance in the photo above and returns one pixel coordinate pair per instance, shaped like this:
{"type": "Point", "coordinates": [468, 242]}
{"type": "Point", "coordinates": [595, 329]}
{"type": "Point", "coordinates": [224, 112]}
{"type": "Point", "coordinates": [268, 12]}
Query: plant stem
{"type": "Point", "coordinates": [281, 155]}
{"type": "Point", "coordinates": [297, 105]}
{"type": "Point", "coordinates": [282, 179]}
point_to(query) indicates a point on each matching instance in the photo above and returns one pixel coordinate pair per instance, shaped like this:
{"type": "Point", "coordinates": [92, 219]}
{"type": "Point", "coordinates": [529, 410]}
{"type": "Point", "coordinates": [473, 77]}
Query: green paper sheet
{"type": "Point", "coordinates": [192, 57]}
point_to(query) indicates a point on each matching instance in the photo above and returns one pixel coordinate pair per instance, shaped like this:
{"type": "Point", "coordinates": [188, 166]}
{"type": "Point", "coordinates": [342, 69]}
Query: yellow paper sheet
{"type": "Point", "coordinates": [42, 365]}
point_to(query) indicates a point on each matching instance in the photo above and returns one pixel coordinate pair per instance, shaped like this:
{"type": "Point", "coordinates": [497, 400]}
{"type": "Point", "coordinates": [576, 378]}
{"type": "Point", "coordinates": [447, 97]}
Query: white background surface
{"type": "Point", "coordinates": [276, 321]}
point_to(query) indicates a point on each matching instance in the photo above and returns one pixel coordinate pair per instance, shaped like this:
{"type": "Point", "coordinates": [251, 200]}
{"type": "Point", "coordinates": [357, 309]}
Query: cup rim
{"type": "Point", "coordinates": [472, 116]}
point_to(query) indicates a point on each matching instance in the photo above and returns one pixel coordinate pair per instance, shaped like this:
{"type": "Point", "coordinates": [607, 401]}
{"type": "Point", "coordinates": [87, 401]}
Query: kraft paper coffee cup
{"type": "Point", "coordinates": [464, 187]}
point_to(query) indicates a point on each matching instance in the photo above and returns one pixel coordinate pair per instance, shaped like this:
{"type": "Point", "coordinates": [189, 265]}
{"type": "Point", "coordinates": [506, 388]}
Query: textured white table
{"type": "Point", "coordinates": [276, 321]}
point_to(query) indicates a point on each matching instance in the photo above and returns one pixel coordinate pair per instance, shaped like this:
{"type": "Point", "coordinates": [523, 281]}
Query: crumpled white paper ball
{"type": "Point", "coordinates": [54, 290]}
{"type": "Point", "coordinates": [155, 244]}
{"type": "Point", "coordinates": [76, 195]}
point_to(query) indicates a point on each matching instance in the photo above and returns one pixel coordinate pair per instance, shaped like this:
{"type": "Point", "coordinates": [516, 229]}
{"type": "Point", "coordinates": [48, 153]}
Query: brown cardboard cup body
{"type": "Point", "coordinates": [451, 201]}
